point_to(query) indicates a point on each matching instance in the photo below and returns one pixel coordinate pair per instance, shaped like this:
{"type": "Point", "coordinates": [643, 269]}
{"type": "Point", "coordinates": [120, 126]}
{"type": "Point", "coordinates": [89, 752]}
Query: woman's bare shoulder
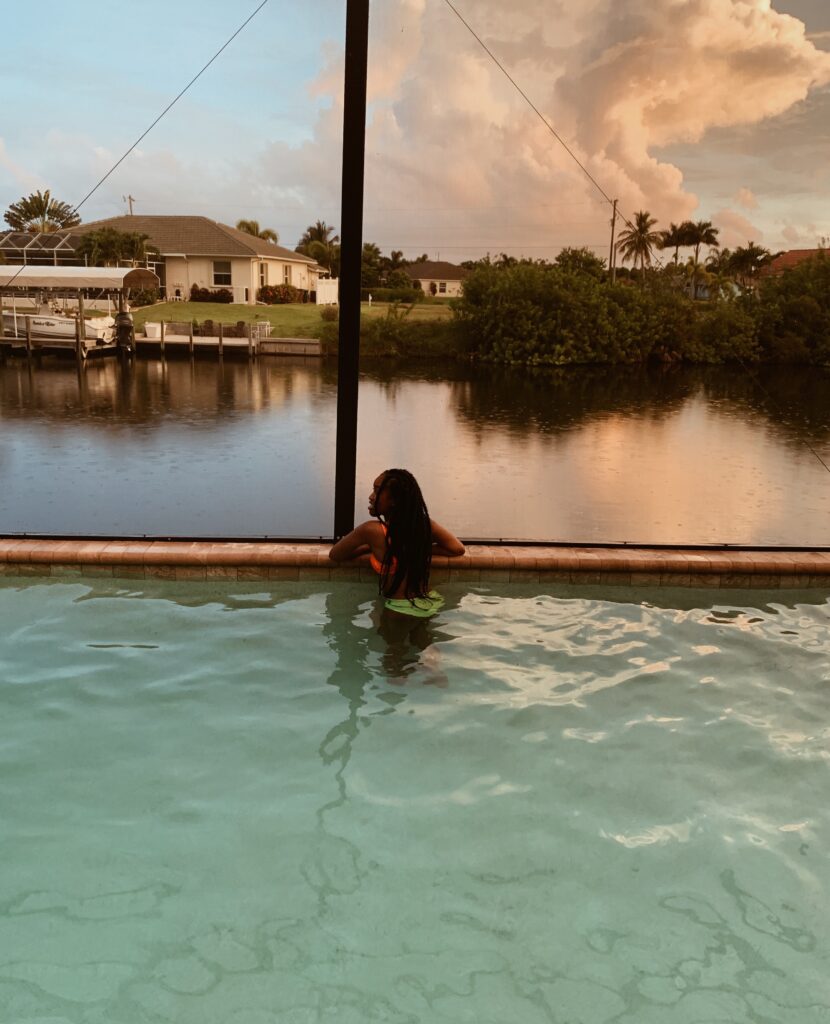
{"type": "Point", "coordinates": [372, 528]}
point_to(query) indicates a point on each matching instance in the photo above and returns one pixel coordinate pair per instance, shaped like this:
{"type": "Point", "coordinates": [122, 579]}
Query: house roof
{"type": "Point", "coordinates": [788, 260]}
{"type": "Point", "coordinates": [194, 236]}
{"type": "Point", "coordinates": [437, 271]}
{"type": "Point", "coordinates": [67, 278]}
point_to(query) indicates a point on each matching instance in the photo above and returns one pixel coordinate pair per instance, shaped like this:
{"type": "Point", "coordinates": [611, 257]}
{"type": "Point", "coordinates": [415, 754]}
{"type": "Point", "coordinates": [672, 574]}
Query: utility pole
{"type": "Point", "coordinates": [612, 256]}
{"type": "Point", "coordinates": [129, 200]}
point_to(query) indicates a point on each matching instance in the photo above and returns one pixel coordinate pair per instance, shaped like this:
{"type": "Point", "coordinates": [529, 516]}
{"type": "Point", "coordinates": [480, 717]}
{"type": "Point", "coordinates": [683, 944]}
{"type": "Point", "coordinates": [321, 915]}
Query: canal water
{"type": "Point", "coordinates": [660, 455]}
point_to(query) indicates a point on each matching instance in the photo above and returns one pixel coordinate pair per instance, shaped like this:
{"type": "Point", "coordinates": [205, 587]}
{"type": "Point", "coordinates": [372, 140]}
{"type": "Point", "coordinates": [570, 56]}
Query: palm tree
{"type": "Point", "coordinates": [107, 247]}
{"type": "Point", "coordinates": [747, 262]}
{"type": "Point", "coordinates": [674, 238]}
{"type": "Point", "coordinates": [639, 241]}
{"type": "Point", "coordinates": [40, 212]}
{"type": "Point", "coordinates": [326, 254]}
{"type": "Point", "coordinates": [251, 227]}
{"type": "Point", "coordinates": [317, 232]}
{"type": "Point", "coordinates": [321, 243]}
{"type": "Point", "coordinates": [720, 262]}
{"type": "Point", "coordinates": [702, 233]}
{"type": "Point", "coordinates": [395, 260]}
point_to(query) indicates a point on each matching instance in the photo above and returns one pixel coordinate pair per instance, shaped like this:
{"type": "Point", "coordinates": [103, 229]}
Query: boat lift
{"type": "Point", "coordinates": [43, 331]}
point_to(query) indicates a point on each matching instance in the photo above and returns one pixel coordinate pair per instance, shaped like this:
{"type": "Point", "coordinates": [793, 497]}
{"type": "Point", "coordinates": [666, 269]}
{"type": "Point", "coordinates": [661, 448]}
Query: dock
{"type": "Point", "coordinates": [33, 346]}
{"type": "Point", "coordinates": [175, 345]}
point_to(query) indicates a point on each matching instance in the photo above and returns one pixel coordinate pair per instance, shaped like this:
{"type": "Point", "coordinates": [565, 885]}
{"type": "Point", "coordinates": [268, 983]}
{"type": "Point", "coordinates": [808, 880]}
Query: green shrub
{"type": "Point", "coordinates": [279, 294]}
{"type": "Point", "coordinates": [793, 312]}
{"type": "Point", "coordinates": [198, 294]}
{"type": "Point", "coordinates": [330, 314]}
{"type": "Point", "coordinates": [143, 296]}
{"type": "Point", "coordinates": [395, 336]}
{"type": "Point", "coordinates": [549, 315]}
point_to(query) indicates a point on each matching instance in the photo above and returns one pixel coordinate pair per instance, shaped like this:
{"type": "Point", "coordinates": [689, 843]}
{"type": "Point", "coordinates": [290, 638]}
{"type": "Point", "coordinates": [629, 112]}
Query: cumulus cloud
{"type": "Point", "coordinates": [456, 161]}
{"type": "Point", "coordinates": [735, 229]}
{"type": "Point", "coordinates": [806, 236]}
{"type": "Point", "coordinates": [666, 72]}
{"type": "Point", "coordinates": [746, 197]}
{"type": "Point", "coordinates": [449, 132]}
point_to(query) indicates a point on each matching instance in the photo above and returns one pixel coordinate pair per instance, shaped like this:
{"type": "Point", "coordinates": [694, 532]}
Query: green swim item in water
{"type": "Point", "coordinates": [420, 607]}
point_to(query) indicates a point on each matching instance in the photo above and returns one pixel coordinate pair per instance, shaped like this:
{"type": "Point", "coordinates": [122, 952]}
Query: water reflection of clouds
{"type": "Point", "coordinates": [607, 454]}
{"type": "Point", "coordinates": [674, 468]}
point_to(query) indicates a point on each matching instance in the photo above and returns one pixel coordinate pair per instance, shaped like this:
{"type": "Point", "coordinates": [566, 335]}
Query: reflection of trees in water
{"type": "Point", "coordinates": [521, 401]}
{"type": "Point", "coordinates": [526, 402]}
{"type": "Point", "coordinates": [794, 400]}
{"type": "Point", "coordinates": [548, 401]}
{"type": "Point", "coordinates": [148, 392]}
{"type": "Point", "coordinates": [392, 377]}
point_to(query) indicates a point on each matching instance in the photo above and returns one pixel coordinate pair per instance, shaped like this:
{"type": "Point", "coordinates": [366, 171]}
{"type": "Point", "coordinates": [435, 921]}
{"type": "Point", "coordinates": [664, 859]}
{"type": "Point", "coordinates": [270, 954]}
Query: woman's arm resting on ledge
{"type": "Point", "coordinates": [358, 542]}
{"type": "Point", "coordinates": [444, 542]}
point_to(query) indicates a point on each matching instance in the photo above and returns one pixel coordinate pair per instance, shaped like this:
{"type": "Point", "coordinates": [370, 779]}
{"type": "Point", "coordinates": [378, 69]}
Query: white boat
{"type": "Point", "coordinates": [100, 329]}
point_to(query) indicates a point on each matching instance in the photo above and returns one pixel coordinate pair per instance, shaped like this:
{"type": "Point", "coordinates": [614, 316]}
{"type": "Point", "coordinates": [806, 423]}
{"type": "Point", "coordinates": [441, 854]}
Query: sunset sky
{"type": "Point", "coordinates": [702, 109]}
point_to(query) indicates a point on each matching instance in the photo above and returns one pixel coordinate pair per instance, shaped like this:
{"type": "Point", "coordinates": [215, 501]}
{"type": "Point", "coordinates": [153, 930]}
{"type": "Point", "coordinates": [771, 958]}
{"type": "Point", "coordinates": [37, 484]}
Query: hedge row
{"type": "Point", "coordinates": [548, 316]}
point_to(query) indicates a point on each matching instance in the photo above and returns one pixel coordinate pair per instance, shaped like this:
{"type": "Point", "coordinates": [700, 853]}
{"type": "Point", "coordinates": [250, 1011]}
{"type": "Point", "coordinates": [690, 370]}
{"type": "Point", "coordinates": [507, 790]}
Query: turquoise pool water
{"type": "Point", "coordinates": [243, 805]}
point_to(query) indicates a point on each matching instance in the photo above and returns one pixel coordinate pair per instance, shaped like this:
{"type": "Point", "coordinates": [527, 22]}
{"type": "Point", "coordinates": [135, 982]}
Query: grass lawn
{"type": "Point", "coordinates": [297, 320]}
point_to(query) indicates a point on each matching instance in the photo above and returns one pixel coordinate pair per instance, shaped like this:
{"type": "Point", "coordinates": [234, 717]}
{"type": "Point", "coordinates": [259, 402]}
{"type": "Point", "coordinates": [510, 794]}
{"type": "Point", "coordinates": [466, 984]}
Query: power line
{"type": "Point", "coordinates": [533, 107]}
{"type": "Point", "coordinates": [161, 115]}
{"type": "Point", "coordinates": [227, 42]}
{"type": "Point", "coordinates": [484, 245]}
{"type": "Point", "coordinates": [254, 207]}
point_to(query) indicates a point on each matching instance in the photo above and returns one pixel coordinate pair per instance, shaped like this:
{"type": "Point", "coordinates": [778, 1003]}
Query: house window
{"type": "Point", "coordinates": [286, 274]}
{"type": "Point", "coordinates": [442, 287]}
{"type": "Point", "coordinates": [263, 275]}
{"type": "Point", "coordinates": [221, 271]}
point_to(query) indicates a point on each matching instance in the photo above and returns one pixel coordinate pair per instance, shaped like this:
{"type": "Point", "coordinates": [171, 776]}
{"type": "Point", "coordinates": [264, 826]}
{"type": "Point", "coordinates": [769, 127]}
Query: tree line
{"type": "Point", "coordinates": [536, 313]}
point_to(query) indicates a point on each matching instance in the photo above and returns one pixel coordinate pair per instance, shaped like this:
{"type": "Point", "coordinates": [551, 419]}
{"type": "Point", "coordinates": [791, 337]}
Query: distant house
{"type": "Point", "coordinates": [787, 260]}
{"type": "Point", "coordinates": [446, 277]}
{"type": "Point", "coordinates": [200, 251]}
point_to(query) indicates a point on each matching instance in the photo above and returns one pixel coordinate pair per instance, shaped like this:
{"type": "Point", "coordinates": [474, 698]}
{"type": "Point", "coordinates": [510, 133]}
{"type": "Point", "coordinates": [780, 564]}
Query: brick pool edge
{"type": "Point", "coordinates": [242, 560]}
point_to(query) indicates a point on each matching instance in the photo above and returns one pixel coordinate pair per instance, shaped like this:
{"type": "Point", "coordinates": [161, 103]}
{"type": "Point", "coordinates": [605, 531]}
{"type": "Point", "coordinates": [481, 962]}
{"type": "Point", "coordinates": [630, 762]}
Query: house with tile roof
{"type": "Point", "coordinates": [447, 277]}
{"type": "Point", "coordinates": [202, 252]}
{"type": "Point", "coordinates": [787, 260]}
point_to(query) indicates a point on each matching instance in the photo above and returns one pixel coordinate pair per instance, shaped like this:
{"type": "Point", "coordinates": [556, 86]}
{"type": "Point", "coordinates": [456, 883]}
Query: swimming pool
{"type": "Point", "coordinates": [239, 804]}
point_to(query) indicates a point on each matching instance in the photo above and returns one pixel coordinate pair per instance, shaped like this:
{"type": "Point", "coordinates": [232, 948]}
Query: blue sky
{"type": "Point", "coordinates": [456, 163]}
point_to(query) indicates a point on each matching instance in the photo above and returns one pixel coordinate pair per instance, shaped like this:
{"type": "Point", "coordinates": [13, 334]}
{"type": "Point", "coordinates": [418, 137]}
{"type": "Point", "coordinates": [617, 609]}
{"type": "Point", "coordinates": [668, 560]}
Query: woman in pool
{"type": "Point", "coordinates": [400, 542]}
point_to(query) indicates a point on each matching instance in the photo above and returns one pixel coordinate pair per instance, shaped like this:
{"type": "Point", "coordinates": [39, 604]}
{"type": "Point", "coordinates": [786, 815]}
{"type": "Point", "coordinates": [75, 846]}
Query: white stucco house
{"type": "Point", "coordinates": [200, 251]}
{"type": "Point", "coordinates": [447, 277]}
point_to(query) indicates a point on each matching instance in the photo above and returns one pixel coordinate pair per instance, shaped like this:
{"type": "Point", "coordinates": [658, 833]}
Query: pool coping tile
{"type": "Point", "coordinates": [648, 566]}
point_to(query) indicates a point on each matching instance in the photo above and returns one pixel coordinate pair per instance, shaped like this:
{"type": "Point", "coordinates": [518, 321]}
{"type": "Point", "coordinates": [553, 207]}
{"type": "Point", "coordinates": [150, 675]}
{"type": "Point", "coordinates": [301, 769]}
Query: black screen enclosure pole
{"type": "Point", "coordinates": [351, 251]}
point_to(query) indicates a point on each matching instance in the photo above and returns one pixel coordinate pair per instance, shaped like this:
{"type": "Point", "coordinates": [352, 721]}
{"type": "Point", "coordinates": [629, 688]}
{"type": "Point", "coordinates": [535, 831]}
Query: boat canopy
{"type": "Point", "coordinates": [75, 278]}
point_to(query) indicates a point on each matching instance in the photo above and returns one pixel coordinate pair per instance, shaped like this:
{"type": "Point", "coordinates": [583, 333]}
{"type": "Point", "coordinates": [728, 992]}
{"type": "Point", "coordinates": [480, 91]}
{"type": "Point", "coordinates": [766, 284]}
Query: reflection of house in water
{"type": "Point", "coordinates": [111, 395]}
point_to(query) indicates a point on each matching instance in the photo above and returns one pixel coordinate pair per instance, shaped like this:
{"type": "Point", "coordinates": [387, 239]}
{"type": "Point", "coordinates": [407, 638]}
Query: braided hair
{"type": "Point", "coordinates": [409, 536]}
